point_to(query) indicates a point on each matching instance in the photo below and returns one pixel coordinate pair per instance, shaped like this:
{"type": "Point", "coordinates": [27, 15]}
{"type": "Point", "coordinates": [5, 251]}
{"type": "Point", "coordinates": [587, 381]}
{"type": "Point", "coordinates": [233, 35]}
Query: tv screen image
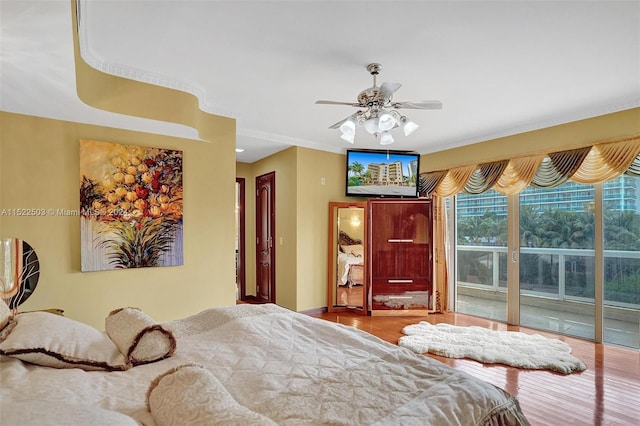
{"type": "Point", "coordinates": [382, 173]}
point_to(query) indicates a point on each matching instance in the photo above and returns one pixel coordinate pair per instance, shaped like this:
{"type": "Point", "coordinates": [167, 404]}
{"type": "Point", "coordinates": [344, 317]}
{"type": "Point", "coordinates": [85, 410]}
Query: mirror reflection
{"type": "Point", "coordinates": [347, 256]}
{"type": "Point", "coordinates": [350, 257]}
{"type": "Point", "coordinates": [19, 271]}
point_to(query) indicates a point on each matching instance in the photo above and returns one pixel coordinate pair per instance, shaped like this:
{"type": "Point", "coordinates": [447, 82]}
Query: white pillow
{"type": "Point", "coordinates": [138, 337]}
{"type": "Point", "coordinates": [55, 341]}
{"type": "Point", "coordinates": [353, 250]}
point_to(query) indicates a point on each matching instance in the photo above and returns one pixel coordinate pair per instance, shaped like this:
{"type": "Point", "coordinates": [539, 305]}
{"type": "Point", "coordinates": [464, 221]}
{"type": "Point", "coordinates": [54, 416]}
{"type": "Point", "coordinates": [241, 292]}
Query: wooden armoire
{"type": "Point", "coordinates": [399, 256]}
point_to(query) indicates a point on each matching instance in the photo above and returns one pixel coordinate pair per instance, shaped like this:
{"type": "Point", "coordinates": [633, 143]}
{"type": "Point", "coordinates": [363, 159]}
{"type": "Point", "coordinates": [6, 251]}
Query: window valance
{"type": "Point", "coordinates": [592, 164]}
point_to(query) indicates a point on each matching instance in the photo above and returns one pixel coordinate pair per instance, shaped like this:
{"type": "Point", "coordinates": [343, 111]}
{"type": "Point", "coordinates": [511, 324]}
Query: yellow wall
{"type": "Point", "coordinates": [313, 221]}
{"type": "Point", "coordinates": [556, 138]}
{"type": "Point", "coordinates": [284, 164]}
{"type": "Point", "coordinates": [39, 168]}
{"type": "Point", "coordinates": [301, 222]}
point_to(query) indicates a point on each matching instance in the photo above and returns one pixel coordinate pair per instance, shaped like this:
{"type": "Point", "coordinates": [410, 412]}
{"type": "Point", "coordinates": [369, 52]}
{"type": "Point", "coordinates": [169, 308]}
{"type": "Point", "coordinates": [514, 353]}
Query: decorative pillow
{"type": "Point", "coordinates": [139, 338]}
{"type": "Point", "coordinates": [55, 341]}
{"type": "Point", "coordinates": [194, 393]}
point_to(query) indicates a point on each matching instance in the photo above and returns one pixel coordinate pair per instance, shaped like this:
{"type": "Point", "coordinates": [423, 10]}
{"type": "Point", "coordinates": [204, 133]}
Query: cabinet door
{"type": "Point", "coordinates": [400, 239]}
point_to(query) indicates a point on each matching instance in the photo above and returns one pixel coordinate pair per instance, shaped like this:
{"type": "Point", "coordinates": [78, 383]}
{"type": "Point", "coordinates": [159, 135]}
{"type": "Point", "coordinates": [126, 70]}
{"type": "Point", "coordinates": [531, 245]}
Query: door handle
{"type": "Point", "coordinates": [399, 281]}
{"type": "Point", "coordinates": [399, 240]}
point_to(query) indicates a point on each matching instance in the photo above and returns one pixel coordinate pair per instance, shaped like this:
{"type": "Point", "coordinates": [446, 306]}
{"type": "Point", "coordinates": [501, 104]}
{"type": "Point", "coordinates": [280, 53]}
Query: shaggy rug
{"type": "Point", "coordinates": [512, 348]}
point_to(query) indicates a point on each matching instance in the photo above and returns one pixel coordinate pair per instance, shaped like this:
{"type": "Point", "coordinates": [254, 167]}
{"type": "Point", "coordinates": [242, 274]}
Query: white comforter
{"type": "Point", "coordinates": [288, 368]}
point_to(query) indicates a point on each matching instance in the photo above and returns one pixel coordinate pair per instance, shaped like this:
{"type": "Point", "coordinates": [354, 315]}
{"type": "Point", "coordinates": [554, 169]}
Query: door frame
{"type": "Point", "coordinates": [241, 255]}
{"type": "Point", "coordinates": [271, 178]}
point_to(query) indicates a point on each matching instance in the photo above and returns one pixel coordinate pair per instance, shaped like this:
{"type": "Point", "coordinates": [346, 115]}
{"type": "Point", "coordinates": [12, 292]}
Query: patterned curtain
{"type": "Point", "coordinates": [558, 167]}
{"type": "Point", "coordinates": [591, 164]}
{"type": "Point", "coordinates": [440, 254]}
{"type": "Point", "coordinates": [634, 168]}
{"type": "Point", "coordinates": [485, 176]}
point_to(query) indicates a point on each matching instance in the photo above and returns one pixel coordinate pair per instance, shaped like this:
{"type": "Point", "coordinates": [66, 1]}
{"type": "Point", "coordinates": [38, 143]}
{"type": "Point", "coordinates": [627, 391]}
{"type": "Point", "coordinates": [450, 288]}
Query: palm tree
{"type": "Point", "coordinates": [530, 227]}
{"type": "Point", "coordinates": [355, 169]}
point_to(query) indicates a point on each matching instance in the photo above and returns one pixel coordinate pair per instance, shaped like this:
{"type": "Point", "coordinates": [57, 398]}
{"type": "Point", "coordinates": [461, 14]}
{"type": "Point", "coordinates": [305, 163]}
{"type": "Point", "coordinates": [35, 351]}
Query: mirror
{"type": "Point", "coordinates": [347, 255]}
{"type": "Point", "coordinates": [19, 271]}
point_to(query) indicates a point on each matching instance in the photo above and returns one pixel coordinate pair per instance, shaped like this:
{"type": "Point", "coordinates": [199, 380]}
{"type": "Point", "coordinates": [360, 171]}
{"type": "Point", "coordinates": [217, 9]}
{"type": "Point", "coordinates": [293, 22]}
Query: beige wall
{"type": "Point", "coordinates": [556, 138]}
{"type": "Point", "coordinates": [39, 168]}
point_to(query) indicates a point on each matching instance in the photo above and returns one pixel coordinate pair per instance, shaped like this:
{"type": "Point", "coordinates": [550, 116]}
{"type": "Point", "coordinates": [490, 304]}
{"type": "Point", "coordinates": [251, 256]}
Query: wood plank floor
{"type": "Point", "coordinates": [607, 393]}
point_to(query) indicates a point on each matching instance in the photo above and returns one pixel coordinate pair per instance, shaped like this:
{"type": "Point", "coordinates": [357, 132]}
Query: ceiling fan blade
{"type": "Point", "coordinates": [337, 103]}
{"type": "Point", "coordinates": [387, 89]}
{"type": "Point", "coordinates": [417, 105]}
{"type": "Point", "coordinates": [339, 123]}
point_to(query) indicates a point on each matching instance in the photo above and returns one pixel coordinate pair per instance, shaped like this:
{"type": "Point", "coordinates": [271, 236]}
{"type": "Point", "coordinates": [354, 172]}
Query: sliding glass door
{"type": "Point", "coordinates": [481, 255]}
{"type": "Point", "coordinates": [573, 276]}
{"type": "Point", "coordinates": [621, 312]}
{"type": "Point", "coordinates": [557, 269]}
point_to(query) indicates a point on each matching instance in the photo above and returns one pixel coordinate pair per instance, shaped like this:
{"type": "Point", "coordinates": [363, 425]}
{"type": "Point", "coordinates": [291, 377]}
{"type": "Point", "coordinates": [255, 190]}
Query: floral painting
{"type": "Point", "coordinates": [130, 206]}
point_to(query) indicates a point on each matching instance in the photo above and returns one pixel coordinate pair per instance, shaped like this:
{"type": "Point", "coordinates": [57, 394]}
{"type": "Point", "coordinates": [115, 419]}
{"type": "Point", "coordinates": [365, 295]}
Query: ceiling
{"type": "Point", "coordinates": [499, 67]}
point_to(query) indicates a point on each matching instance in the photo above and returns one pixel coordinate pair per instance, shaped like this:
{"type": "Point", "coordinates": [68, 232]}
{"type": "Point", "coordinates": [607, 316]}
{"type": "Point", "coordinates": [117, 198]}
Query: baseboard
{"type": "Point", "coordinates": [315, 311]}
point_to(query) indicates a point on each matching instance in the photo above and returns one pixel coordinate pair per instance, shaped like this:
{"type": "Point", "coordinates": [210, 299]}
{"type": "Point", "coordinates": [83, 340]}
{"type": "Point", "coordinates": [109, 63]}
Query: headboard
{"type": "Point", "coordinates": [345, 240]}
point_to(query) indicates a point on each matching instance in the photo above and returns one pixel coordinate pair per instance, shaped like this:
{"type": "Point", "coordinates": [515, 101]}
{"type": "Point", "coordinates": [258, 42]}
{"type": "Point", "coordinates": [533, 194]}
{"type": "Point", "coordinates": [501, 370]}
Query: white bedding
{"type": "Point", "coordinates": [344, 263]}
{"type": "Point", "coordinates": [286, 367]}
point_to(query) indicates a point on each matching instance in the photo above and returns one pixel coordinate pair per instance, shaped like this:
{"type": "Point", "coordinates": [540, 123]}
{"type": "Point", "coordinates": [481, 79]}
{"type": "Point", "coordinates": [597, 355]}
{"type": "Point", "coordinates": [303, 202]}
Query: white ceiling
{"type": "Point", "coordinates": [499, 67]}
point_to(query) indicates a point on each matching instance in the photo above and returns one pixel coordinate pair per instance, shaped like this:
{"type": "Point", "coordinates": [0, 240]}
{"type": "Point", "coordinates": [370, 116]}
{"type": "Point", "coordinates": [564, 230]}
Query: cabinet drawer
{"type": "Point", "coordinates": [399, 285]}
{"type": "Point", "coordinates": [400, 301]}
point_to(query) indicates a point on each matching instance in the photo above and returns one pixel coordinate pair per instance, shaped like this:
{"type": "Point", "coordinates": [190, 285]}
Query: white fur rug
{"type": "Point", "coordinates": [488, 346]}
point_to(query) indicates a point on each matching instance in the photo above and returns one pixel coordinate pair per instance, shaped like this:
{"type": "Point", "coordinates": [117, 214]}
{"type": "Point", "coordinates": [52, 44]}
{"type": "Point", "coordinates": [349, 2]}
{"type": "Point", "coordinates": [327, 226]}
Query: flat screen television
{"type": "Point", "coordinates": [382, 173]}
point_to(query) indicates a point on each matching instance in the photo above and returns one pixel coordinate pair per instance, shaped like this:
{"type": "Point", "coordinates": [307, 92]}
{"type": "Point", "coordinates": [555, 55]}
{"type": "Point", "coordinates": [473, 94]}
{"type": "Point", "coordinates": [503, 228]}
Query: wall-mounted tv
{"type": "Point", "coordinates": [382, 173]}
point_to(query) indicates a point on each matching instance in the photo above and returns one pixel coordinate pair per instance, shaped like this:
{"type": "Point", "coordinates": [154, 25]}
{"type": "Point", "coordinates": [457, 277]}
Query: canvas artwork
{"type": "Point", "coordinates": [130, 206]}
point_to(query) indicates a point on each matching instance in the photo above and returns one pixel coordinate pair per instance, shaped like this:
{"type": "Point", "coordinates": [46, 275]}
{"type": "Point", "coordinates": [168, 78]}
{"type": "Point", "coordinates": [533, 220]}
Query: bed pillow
{"type": "Point", "coordinates": [51, 340]}
{"type": "Point", "coordinates": [140, 339]}
{"type": "Point", "coordinates": [353, 250]}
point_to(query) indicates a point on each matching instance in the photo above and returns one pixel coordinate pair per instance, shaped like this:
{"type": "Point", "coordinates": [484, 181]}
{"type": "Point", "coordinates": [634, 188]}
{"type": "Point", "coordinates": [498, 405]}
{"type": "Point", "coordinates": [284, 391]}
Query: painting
{"type": "Point", "coordinates": [130, 206]}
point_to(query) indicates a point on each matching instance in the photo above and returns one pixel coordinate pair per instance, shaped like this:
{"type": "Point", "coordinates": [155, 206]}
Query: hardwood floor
{"type": "Point", "coordinates": [607, 393]}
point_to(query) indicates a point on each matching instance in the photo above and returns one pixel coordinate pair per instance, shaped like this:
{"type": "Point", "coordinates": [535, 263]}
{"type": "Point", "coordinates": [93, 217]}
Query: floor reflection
{"type": "Point", "coordinates": [350, 296]}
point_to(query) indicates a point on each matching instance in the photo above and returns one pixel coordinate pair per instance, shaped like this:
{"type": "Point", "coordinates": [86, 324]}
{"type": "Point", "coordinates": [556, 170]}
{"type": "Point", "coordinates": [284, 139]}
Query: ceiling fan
{"type": "Point", "coordinates": [379, 113]}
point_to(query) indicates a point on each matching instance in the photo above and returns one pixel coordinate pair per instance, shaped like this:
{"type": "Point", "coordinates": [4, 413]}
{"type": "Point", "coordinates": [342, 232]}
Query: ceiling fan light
{"type": "Point", "coordinates": [386, 138]}
{"type": "Point", "coordinates": [371, 125]}
{"type": "Point", "coordinates": [349, 137]}
{"type": "Point", "coordinates": [386, 122]}
{"type": "Point", "coordinates": [409, 127]}
{"type": "Point", "coordinates": [348, 127]}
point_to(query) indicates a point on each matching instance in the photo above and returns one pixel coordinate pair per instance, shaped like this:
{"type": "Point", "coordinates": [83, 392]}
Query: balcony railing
{"type": "Point", "coordinates": [559, 274]}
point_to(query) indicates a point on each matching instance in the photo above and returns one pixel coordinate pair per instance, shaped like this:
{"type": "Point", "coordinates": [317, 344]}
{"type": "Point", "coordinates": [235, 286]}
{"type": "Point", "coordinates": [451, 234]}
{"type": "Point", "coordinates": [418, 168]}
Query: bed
{"type": "Point", "coordinates": [243, 364]}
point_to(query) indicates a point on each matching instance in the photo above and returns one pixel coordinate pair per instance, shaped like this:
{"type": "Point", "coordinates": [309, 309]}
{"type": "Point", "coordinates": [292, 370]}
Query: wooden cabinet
{"type": "Point", "coordinates": [400, 274]}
